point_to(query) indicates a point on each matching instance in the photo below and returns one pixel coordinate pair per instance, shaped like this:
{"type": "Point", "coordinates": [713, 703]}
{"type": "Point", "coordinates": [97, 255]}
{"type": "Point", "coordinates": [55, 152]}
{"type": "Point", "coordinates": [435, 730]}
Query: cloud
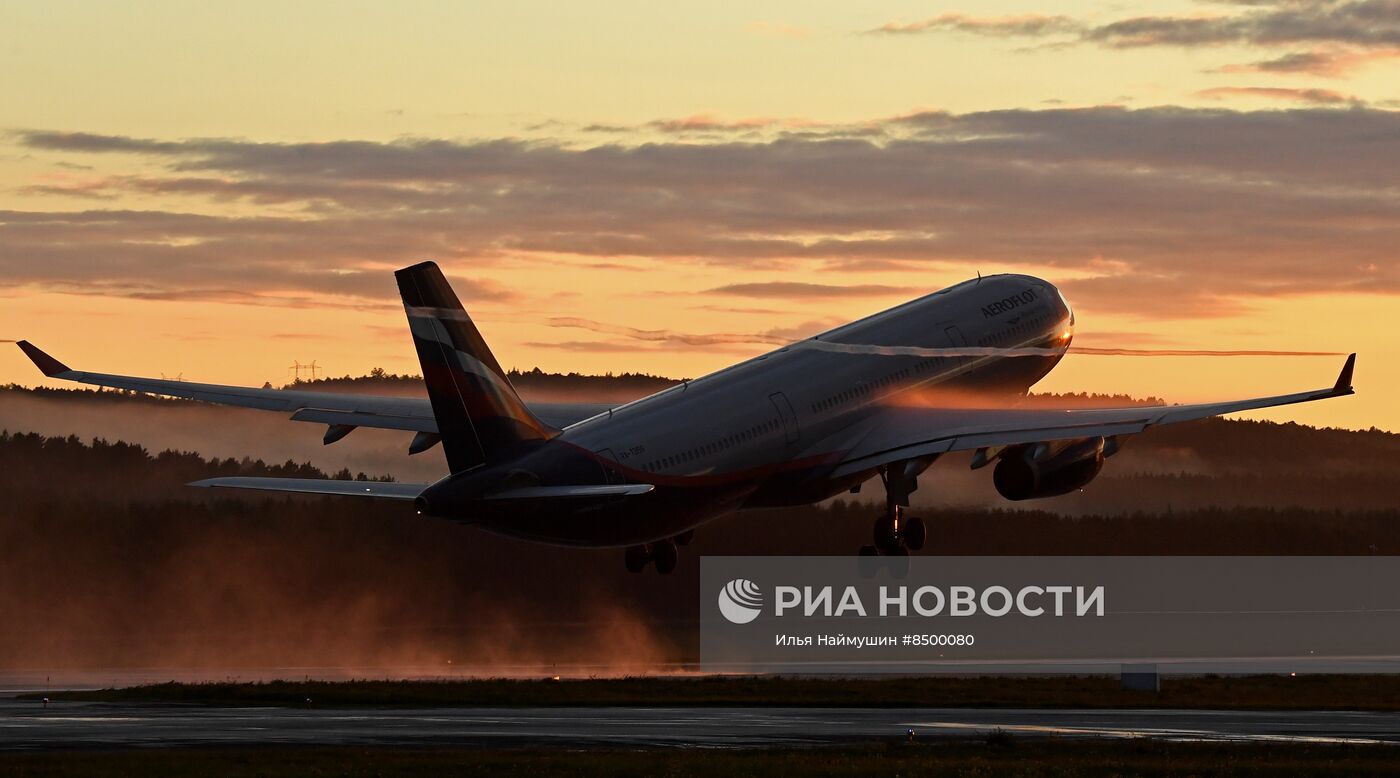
{"type": "Point", "coordinates": [171, 255]}
{"type": "Point", "coordinates": [798, 289]}
{"type": "Point", "coordinates": [1167, 31]}
{"type": "Point", "coordinates": [872, 265]}
{"type": "Point", "coordinates": [669, 337]}
{"type": "Point", "coordinates": [1000, 26]}
{"type": "Point", "coordinates": [1366, 23]}
{"type": "Point", "coordinates": [95, 191]}
{"type": "Point", "coordinates": [588, 346]}
{"type": "Point", "coordinates": [803, 330]}
{"type": "Point", "coordinates": [1340, 34]}
{"type": "Point", "coordinates": [1314, 96]}
{"type": "Point", "coordinates": [1164, 211]}
{"type": "Point", "coordinates": [778, 336]}
{"type": "Point", "coordinates": [1331, 63]}
{"type": "Point", "coordinates": [708, 123]}
{"type": "Point", "coordinates": [736, 309]}
{"type": "Point", "coordinates": [92, 142]}
{"type": "Point", "coordinates": [68, 184]}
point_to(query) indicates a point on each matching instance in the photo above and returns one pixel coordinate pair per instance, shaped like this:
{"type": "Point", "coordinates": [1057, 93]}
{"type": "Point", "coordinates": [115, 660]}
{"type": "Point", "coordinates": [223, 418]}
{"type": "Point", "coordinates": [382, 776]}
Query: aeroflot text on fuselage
{"type": "Point", "coordinates": [1030, 601]}
{"type": "Point", "coordinates": [1010, 303]}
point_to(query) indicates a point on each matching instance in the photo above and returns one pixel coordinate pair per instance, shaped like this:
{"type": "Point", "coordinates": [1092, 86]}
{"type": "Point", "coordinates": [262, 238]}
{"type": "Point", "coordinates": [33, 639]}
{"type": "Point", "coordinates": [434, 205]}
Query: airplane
{"type": "Point", "coordinates": [797, 425]}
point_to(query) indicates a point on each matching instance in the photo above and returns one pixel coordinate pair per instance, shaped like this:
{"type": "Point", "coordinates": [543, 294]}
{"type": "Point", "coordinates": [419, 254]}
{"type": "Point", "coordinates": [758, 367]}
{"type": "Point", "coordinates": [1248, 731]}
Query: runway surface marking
{"type": "Point", "coordinates": [30, 725]}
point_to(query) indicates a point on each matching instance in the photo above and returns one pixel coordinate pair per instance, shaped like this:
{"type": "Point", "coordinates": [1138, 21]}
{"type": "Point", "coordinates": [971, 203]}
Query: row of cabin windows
{"type": "Point", "coordinates": [1016, 333]}
{"type": "Point", "coordinates": [729, 441]}
{"type": "Point", "coordinates": [863, 389]}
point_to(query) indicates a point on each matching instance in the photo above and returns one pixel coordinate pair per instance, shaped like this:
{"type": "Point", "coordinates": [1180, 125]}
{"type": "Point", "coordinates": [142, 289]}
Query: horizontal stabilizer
{"type": "Point", "coordinates": [387, 489]}
{"type": "Point", "coordinates": [570, 492]}
{"type": "Point", "coordinates": [392, 490]}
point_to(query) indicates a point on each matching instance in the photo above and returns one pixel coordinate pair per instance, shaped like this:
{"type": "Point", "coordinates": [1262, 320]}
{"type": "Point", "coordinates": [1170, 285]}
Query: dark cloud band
{"type": "Point", "coordinates": [1166, 211]}
{"type": "Point", "coordinates": [1337, 34]}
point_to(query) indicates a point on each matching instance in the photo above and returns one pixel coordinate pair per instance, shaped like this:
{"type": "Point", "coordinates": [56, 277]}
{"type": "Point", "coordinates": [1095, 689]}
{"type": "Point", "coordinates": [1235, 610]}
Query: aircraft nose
{"type": "Point", "coordinates": [1066, 309]}
{"type": "Point", "coordinates": [1064, 332]}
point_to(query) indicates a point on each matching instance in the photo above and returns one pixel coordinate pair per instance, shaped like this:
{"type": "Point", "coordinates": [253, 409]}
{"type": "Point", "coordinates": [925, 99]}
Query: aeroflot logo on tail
{"type": "Point", "coordinates": [741, 601]}
{"type": "Point", "coordinates": [1009, 304]}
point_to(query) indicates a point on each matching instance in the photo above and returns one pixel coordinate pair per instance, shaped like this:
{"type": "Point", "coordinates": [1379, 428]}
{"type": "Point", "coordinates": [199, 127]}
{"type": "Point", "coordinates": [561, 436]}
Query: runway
{"type": "Point", "coordinates": [30, 726]}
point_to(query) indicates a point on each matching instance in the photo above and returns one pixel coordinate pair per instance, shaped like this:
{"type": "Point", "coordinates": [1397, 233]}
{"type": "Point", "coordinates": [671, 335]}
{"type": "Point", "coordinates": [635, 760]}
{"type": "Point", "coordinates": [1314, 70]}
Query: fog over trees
{"type": "Point", "coordinates": [107, 559]}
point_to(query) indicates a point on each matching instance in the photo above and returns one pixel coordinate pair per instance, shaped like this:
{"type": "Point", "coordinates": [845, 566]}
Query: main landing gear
{"type": "Point", "coordinates": [663, 552]}
{"type": "Point", "coordinates": [897, 533]}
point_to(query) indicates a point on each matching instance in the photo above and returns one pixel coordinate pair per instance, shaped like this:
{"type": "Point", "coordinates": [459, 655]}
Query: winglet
{"type": "Point", "coordinates": [50, 366]}
{"type": "Point", "coordinates": [1344, 378]}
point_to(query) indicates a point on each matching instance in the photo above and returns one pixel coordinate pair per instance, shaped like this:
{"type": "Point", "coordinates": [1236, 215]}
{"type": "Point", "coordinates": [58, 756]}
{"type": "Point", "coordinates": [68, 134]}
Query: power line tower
{"type": "Point", "coordinates": [297, 368]}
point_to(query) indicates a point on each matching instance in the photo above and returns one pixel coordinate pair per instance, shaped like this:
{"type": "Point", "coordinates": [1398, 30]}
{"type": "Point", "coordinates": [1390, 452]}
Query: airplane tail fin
{"type": "Point", "coordinates": [479, 416]}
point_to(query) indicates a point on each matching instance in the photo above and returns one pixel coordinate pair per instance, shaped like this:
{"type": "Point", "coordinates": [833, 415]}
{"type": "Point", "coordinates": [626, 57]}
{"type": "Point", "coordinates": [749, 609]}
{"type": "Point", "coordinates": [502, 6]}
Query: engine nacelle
{"type": "Point", "coordinates": [1047, 469]}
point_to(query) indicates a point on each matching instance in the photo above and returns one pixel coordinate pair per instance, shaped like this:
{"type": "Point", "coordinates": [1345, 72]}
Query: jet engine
{"type": "Point", "coordinates": [1034, 470]}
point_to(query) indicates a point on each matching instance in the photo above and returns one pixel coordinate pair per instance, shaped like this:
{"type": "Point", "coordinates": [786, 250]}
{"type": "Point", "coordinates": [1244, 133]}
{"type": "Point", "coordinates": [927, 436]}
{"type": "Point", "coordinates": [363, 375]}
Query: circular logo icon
{"type": "Point", "coordinates": [740, 601]}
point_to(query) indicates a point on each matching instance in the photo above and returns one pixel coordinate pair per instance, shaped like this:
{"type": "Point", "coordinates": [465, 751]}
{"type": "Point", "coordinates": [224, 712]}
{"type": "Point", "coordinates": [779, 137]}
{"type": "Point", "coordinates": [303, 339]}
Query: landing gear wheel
{"type": "Point", "coordinates": [663, 552]}
{"type": "Point", "coordinates": [886, 537]}
{"type": "Point", "coordinates": [869, 551]}
{"type": "Point", "coordinates": [896, 534]}
{"type": "Point", "coordinates": [914, 532]}
{"type": "Point", "coordinates": [636, 558]}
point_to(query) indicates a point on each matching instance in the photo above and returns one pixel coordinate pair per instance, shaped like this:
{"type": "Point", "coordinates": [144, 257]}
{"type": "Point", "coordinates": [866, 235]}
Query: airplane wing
{"type": "Point", "coordinates": [900, 434]}
{"type": "Point", "coordinates": [391, 490]}
{"type": "Point", "coordinates": [342, 411]}
{"type": "Point", "coordinates": [396, 491]}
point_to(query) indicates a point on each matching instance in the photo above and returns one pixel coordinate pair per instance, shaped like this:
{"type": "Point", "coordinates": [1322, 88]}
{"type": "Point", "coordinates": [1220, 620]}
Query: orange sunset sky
{"type": "Point", "coordinates": [217, 190]}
